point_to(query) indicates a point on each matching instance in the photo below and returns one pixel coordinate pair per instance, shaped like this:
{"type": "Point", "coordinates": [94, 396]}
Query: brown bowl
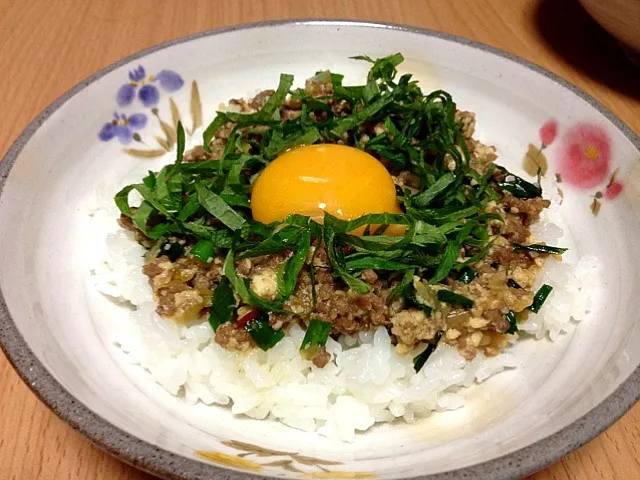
{"type": "Point", "coordinates": [621, 18]}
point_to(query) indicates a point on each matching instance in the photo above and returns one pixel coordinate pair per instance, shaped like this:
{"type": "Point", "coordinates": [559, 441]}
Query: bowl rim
{"type": "Point", "coordinates": [148, 457]}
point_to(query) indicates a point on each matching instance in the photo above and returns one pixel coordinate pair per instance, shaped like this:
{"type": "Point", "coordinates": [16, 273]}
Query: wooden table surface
{"type": "Point", "coordinates": [47, 47]}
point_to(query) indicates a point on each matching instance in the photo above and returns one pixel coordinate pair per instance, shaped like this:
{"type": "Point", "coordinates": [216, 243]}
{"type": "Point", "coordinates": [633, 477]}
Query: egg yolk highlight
{"type": "Point", "coordinates": [310, 180]}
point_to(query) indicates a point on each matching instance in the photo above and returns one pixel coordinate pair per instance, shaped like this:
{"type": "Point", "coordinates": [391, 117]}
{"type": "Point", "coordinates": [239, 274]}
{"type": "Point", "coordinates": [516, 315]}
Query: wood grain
{"type": "Point", "coordinates": [46, 48]}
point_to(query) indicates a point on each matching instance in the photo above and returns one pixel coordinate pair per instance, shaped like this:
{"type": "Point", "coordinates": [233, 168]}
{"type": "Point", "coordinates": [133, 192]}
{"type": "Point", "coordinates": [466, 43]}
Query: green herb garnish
{"type": "Point", "coordinates": [513, 322]}
{"type": "Point", "coordinates": [467, 274]}
{"type": "Point", "coordinates": [452, 298]}
{"type": "Point", "coordinates": [317, 334]}
{"type": "Point", "coordinates": [204, 250]}
{"type": "Point", "coordinates": [222, 305]}
{"type": "Point", "coordinates": [519, 187]}
{"type": "Point", "coordinates": [420, 359]}
{"type": "Point", "coordinates": [540, 248]}
{"type": "Point", "coordinates": [513, 284]}
{"type": "Point", "coordinates": [262, 333]}
{"type": "Point", "coordinates": [172, 250]}
{"type": "Point", "coordinates": [207, 203]}
{"type": "Point", "coordinates": [540, 297]}
{"type": "Point", "coordinates": [220, 209]}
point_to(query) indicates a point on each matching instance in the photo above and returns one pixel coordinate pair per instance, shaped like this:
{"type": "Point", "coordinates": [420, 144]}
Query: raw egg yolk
{"type": "Point", "coordinates": [343, 181]}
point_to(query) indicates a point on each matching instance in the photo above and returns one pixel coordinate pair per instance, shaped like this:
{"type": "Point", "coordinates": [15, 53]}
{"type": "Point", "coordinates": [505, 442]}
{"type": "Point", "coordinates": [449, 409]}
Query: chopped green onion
{"type": "Point", "coordinates": [262, 333]}
{"type": "Point", "coordinates": [317, 334]}
{"type": "Point", "coordinates": [513, 322]}
{"type": "Point", "coordinates": [467, 274]}
{"type": "Point", "coordinates": [540, 297]}
{"type": "Point", "coordinates": [172, 250]}
{"type": "Point", "coordinates": [536, 247]}
{"type": "Point", "coordinates": [448, 296]}
{"type": "Point", "coordinates": [420, 359]}
{"type": "Point", "coordinates": [222, 305]}
{"type": "Point", "coordinates": [513, 284]}
{"type": "Point", "coordinates": [519, 187]}
{"type": "Point", "coordinates": [203, 250]}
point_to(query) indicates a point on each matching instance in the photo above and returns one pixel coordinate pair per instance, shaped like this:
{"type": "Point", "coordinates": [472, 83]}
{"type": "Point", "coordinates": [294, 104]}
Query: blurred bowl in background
{"type": "Point", "coordinates": [621, 18]}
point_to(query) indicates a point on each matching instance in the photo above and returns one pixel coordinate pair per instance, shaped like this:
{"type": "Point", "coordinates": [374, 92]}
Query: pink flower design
{"type": "Point", "coordinates": [613, 190]}
{"type": "Point", "coordinates": [585, 155]}
{"type": "Point", "coordinates": [548, 132]}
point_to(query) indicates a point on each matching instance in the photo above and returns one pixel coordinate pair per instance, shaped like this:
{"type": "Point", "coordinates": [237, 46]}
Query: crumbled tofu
{"type": "Point", "coordinates": [449, 162]}
{"type": "Point", "coordinates": [265, 284]}
{"type": "Point", "coordinates": [188, 304]}
{"type": "Point", "coordinates": [413, 326]}
{"type": "Point", "coordinates": [452, 334]}
{"type": "Point", "coordinates": [478, 322]}
{"type": "Point", "coordinates": [468, 122]}
{"type": "Point", "coordinates": [484, 153]}
{"type": "Point", "coordinates": [379, 128]}
{"type": "Point", "coordinates": [165, 277]}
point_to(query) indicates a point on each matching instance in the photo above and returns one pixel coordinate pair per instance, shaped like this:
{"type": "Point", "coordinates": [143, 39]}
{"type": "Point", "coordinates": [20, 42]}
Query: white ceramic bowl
{"type": "Point", "coordinates": [54, 326]}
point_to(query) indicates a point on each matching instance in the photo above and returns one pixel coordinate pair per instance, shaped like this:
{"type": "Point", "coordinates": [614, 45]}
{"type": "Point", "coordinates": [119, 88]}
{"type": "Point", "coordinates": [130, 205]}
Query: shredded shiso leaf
{"type": "Point", "coordinates": [208, 204]}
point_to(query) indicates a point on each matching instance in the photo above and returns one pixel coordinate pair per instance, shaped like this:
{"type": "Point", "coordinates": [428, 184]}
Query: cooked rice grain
{"type": "Point", "coordinates": [366, 382]}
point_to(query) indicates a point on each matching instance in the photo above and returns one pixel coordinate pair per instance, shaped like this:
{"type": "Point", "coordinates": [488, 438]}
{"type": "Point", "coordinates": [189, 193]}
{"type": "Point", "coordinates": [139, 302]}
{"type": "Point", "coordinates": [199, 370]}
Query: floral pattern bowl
{"type": "Point", "coordinates": [54, 326]}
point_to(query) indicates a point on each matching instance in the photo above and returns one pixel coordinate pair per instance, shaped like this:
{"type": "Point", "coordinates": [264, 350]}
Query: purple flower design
{"type": "Point", "coordinates": [122, 127]}
{"type": "Point", "coordinates": [147, 92]}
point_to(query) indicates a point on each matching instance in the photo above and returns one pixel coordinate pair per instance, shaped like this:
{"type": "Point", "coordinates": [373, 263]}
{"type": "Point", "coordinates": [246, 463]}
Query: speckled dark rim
{"type": "Point", "coordinates": [160, 462]}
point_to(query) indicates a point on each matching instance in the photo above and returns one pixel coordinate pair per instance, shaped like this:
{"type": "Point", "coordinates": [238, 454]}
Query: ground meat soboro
{"type": "Point", "coordinates": [348, 311]}
{"type": "Point", "coordinates": [503, 280]}
{"type": "Point", "coordinates": [232, 337]}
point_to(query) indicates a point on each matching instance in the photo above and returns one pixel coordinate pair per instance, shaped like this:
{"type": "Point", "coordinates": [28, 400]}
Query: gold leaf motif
{"type": "Point", "coordinates": [614, 175]}
{"type": "Point", "coordinates": [290, 464]}
{"type": "Point", "coordinates": [278, 463]}
{"type": "Point", "coordinates": [169, 132]}
{"type": "Point", "coordinates": [255, 449]}
{"type": "Point", "coordinates": [313, 461]}
{"type": "Point", "coordinates": [229, 460]}
{"type": "Point", "coordinates": [595, 207]}
{"type": "Point", "coordinates": [290, 468]}
{"type": "Point", "coordinates": [535, 161]}
{"type": "Point", "coordinates": [144, 153]}
{"type": "Point", "coordinates": [175, 112]}
{"type": "Point", "coordinates": [163, 143]}
{"type": "Point", "coordinates": [339, 474]}
{"type": "Point", "coordinates": [286, 464]}
{"type": "Point", "coordinates": [196, 107]}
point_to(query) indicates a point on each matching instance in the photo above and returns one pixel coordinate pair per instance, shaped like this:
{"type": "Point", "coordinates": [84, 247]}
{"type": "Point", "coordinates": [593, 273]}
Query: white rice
{"type": "Point", "coordinates": [367, 382]}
